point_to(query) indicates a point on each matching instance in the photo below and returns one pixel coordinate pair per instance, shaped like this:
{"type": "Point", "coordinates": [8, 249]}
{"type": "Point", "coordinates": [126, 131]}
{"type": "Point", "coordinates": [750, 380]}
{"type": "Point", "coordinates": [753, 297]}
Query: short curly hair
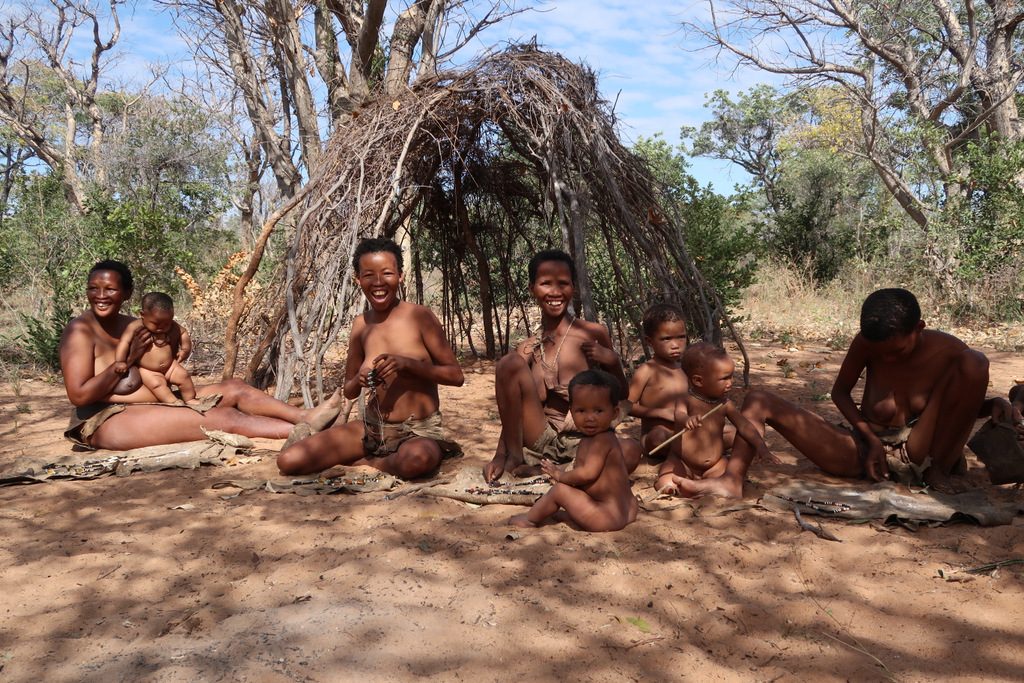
{"type": "Point", "coordinates": [657, 314]}
{"type": "Point", "coordinates": [887, 313]}
{"type": "Point", "coordinates": [375, 245]}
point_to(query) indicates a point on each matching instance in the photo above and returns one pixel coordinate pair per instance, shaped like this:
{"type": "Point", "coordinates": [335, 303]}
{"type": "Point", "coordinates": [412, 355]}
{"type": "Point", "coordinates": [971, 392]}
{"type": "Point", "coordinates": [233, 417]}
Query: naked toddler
{"type": "Point", "coordinates": [596, 494]}
{"type": "Point", "coordinates": [161, 364]}
{"type": "Point", "coordinates": [700, 453]}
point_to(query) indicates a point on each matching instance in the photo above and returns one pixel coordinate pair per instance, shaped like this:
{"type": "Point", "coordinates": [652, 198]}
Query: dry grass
{"type": "Point", "coordinates": [785, 305]}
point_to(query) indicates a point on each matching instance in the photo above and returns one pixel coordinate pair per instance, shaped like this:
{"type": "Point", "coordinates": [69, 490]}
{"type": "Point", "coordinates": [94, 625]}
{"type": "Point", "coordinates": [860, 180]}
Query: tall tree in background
{"type": "Point", "coordinates": [301, 68]}
{"type": "Point", "coordinates": [927, 76]}
{"type": "Point", "coordinates": [48, 98]}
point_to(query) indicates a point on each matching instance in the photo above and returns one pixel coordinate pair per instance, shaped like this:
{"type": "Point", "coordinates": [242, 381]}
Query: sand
{"type": "Point", "coordinates": [156, 577]}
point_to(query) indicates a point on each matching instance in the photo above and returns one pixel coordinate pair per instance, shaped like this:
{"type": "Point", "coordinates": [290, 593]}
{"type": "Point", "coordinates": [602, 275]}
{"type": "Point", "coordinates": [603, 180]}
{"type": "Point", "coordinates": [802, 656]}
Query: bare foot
{"type": "Point", "coordinates": [944, 483]}
{"type": "Point", "coordinates": [521, 521]}
{"type": "Point", "coordinates": [323, 415]}
{"type": "Point", "coordinates": [723, 487]}
{"type": "Point", "coordinates": [526, 471]}
{"type": "Point", "coordinates": [298, 433]}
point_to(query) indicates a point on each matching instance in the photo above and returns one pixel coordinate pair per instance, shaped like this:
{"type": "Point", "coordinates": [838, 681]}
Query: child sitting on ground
{"type": "Point", "coordinates": [660, 382]}
{"type": "Point", "coordinates": [1010, 411]}
{"type": "Point", "coordinates": [161, 364]}
{"type": "Point", "coordinates": [700, 453]}
{"type": "Point", "coordinates": [595, 495]}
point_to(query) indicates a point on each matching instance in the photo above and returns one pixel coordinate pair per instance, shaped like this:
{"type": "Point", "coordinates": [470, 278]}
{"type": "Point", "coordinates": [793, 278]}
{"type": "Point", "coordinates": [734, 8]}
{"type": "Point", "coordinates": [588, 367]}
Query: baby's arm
{"type": "Point", "coordinates": [590, 460]}
{"type": "Point", "coordinates": [748, 432]}
{"type": "Point", "coordinates": [123, 346]}
{"type": "Point", "coordinates": [184, 344]}
{"type": "Point", "coordinates": [637, 386]}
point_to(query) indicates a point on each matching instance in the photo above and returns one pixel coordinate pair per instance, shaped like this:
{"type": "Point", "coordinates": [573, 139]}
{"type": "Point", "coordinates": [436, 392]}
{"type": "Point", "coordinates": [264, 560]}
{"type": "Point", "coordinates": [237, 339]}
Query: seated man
{"type": "Point", "coordinates": [531, 383]}
{"type": "Point", "coordinates": [397, 356]}
{"type": "Point", "coordinates": [923, 390]}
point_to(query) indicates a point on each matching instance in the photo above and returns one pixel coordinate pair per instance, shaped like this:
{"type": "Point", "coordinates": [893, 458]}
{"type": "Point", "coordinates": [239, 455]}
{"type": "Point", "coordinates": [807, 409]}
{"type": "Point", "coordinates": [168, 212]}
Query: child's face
{"type": "Point", "coordinates": [669, 341]}
{"type": "Point", "coordinates": [158, 321]}
{"type": "Point", "coordinates": [592, 408]}
{"type": "Point", "coordinates": [553, 289]}
{"type": "Point", "coordinates": [379, 278]}
{"type": "Point", "coordinates": [715, 379]}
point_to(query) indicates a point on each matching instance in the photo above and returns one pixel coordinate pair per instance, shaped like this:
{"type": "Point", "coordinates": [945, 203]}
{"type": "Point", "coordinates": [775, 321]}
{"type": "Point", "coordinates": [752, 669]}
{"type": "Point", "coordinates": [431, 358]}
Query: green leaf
{"type": "Point", "coordinates": [639, 622]}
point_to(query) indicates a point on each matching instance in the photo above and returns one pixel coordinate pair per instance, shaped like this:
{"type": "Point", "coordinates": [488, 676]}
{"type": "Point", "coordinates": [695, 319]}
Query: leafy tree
{"type": "Point", "coordinates": [717, 230]}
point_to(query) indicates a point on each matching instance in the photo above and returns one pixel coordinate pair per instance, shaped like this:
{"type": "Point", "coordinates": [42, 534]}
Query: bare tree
{"type": "Point", "coordinates": [38, 69]}
{"type": "Point", "coordinates": [928, 75]}
{"type": "Point", "coordinates": [292, 86]}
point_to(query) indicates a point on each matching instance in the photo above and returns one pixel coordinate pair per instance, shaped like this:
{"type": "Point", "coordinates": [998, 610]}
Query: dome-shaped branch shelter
{"type": "Point", "coordinates": [476, 164]}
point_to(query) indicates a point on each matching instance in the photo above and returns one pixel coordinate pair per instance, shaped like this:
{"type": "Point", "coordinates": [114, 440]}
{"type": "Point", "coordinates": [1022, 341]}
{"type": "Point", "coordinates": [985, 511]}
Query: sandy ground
{"type": "Point", "coordinates": [103, 581]}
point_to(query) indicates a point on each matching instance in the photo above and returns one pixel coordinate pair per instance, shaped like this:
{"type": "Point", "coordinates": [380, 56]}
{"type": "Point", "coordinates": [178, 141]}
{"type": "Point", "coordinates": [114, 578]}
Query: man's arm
{"type": "Point", "coordinates": [842, 396]}
{"type": "Point", "coordinates": [443, 367]}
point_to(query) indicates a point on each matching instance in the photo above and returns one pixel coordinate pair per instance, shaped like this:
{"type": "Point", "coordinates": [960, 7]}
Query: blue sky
{"type": "Point", "coordinates": [638, 48]}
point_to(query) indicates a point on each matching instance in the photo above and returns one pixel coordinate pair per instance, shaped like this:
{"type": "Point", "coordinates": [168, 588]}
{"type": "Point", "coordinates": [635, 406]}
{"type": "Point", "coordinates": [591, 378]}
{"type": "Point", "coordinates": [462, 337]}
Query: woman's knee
{"type": "Point", "coordinates": [292, 461]}
{"type": "Point", "coordinates": [758, 404]}
{"type": "Point", "coordinates": [417, 459]}
{"type": "Point", "coordinates": [231, 390]}
{"type": "Point", "coordinates": [973, 366]}
{"type": "Point", "coordinates": [509, 364]}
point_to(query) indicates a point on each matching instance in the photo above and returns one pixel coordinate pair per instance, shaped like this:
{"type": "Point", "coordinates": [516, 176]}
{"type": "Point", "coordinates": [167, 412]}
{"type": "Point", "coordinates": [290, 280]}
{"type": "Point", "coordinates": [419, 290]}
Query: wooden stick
{"type": "Point", "coordinates": [682, 431]}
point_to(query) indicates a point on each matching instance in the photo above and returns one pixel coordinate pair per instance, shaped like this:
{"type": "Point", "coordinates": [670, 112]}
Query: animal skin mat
{"type": "Point", "coordinates": [221, 448]}
{"type": "Point", "coordinates": [892, 503]}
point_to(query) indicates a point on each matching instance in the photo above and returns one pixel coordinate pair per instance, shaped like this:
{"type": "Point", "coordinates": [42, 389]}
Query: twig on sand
{"type": "Point", "coordinates": [817, 530]}
{"type": "Point", "coordinates": [856, 646]}
{"type": "Point", "coordinates": [991, 566]}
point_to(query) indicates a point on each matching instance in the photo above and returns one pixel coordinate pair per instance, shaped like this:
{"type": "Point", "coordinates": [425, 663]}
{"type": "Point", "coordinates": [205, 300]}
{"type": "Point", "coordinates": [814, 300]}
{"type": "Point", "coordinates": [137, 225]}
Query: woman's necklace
{"type": "Point", "coordinates": [552, 367]}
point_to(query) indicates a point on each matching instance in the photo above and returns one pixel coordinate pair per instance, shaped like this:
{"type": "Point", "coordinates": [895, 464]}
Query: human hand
{"type": "Point", "coordinates": [141, 342]}
{"type": "Point", "coordinates": [551, 469]}
{"type": "Point", "coordinates": [693, 422]}
{"type": "Point", "coordinates": [388, 365]}
{"type": "Point", "coordinates": [597, 354]}
{"type": "Point", "coordinates": [181, 356]}
{"type": "Point", "coordinates": [120, 367]}
{"type": "Point", "coordinates": [766, 455]}
{"type": "Point", "coordinates": [875, 464]}
{"type": "Point", "coordinates": [494, 469]}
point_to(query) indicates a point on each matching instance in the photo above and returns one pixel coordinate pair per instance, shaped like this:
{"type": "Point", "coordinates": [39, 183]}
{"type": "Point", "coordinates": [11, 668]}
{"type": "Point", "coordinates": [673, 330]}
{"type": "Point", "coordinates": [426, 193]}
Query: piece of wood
{"type": "Point", "coordinates": [682, 431]}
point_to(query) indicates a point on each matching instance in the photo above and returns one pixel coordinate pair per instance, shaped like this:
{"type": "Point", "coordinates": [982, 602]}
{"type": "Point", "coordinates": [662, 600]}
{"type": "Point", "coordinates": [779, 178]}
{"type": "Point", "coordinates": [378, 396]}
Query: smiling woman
{"type": "Point", "coordinates": [397, 357]}
{"type": "Point", "coordinates": [114, 410]}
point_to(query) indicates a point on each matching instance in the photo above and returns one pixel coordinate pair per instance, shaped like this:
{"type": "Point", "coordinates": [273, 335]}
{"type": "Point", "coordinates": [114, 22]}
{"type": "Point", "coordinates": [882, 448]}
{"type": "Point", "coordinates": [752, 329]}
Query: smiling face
{"type": "Point", "coordinates": [553, 288]}
{"type": "Point", "coordinates": [669, 341]}
{"type": "Point", "coordinates": [105, 293]}
{"type": "Point", "coordinates": [592, 409]}
{"type": "Point", "coordinates": [379, 278]}
{"type": "Point", "coordinates": [715, 379]}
